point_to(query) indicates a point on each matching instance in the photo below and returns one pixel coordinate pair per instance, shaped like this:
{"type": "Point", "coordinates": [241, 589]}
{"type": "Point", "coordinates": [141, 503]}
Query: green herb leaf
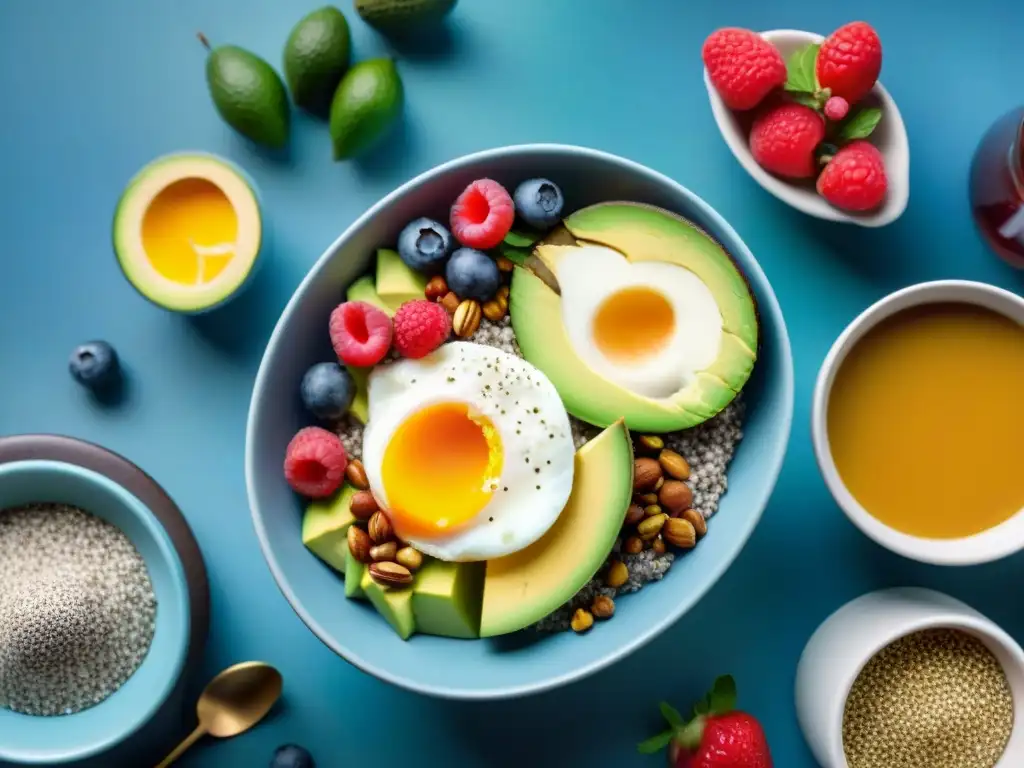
{"type": "Point", "coordinates": [522, 238]}
{"type": "Point", "coordinates": [702, 707]}
{"type": "Point", "coordinates": [515, 255]}
{"type": "Point", "coordinates": [655, 743]}
{"type": "Point", "coordinates": [860, 125]}
{"type": "Point", "coordinates": [671, 715]}
{"type": "Point", "coordinates": [806, 99]}
{"type": "Point", "coordinates": [800, 77]}
{"type": "Point", "coordinates": [723, 695]}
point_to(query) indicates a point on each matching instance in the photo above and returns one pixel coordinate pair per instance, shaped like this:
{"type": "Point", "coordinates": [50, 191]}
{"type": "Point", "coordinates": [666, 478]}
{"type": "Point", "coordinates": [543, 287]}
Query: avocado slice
{"type": "Point", "coordinates": [395, 605]}
{"type": "Point", "coordinates": [396, 282]}
{"type": "Point", "coordinates": [325, 527]}
{"type": "Point", "coordinates": [354, 572]}
{"type": "Point", "coordinates": [364, 290]}
{"type": "Point", "coordinates": [446, 598]}
{"type": "Point", "coordinates": [526, 586]}
{"type": "Point", "coordinates": [640, 233]}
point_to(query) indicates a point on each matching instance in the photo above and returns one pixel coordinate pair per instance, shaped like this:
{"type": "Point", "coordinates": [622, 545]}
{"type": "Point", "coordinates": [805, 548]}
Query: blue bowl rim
{"type": "Point", "coordinates": [767, 304]}
{"type": "Point", "coordinates": [169, 554]}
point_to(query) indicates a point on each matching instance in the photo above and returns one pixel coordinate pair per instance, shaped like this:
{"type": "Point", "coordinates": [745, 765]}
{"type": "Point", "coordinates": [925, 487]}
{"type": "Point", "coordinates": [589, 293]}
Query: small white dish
{"type": "Point", "coordinates": [1004, 539]}
{"type": "Point", "coordinates": [848, 639]}
{"type": "Point", "coordinates": [890, 137]}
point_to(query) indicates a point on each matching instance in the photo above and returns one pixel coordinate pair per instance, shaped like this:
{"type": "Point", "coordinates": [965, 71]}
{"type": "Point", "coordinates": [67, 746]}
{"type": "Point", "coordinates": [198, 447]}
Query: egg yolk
{"type": "Point", "coordinates": [633, 323]}
{"type": "Point", "coordinates": [440, 468]}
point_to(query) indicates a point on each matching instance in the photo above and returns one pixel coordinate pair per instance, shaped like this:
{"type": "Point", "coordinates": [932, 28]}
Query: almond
{"type": "Point", "coordinates": [646, 473]}
{"type": "Point", "coordinates": [658, 546]}
{"type": "Point", "coordinates": [450, 302]}
{"type": "Point", "coordinates": [650, 444]}
{"type": "Point", "coordinates": [410, 558]}
{"type": "Point", "coordinates": [634, 514]}
{"type": "Point", "coordinates": [359, 544]}
{"type": "Point", "coordinates": [467, 318]}
{"type": "Point", "coordinates": [385, 551]}
{"type": "Point", "coordinates": [436, 288]}
{"type": "Point", "coordinates": [696, 519]}
{"type": "Point", "coordinates": [355, 473]}
{"type": "Point", "coordinates": [634, 545]}
{"type": "Point", "coordinates": [679, 533]}
{"type": "Point", "coordinates": [675, 496]}
{"type": "Point", "coordinates": [493, 310]}
{"type": "Point", "coordinates": [390, 574]}
{"type": "Point", "coordinates": [675, 466]}
{"type": "Point", "coordinates": [363, 505]}
{"type": "Point", "coordinates": [651, 526]}
{"type": "Point", "coordinates": [379, 528]}
{"type": "Point", "coordinates": [505, 264]}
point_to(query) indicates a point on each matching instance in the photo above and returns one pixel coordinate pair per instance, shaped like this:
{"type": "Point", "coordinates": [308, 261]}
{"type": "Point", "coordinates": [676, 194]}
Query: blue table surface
{"type": "Point", "coordinates": [93, 90]}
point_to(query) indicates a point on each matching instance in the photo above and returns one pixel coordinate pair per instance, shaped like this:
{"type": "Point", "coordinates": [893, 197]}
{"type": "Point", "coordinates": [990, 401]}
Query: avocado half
{"type": "Point", "coordinates": [640, 233]}
{"type": "Point", "coordinates": [220, 269]}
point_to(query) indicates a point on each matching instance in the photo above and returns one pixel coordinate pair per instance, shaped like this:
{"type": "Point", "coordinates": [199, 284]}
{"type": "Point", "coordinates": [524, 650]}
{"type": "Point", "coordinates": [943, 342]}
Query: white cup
{"type": "Point", "coordinates": [992, 544]}
{"type": "Point", "coordinates": [849, 638]}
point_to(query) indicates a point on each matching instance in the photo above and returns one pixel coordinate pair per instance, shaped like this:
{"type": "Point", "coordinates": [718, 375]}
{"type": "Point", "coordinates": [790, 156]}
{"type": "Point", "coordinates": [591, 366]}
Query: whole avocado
{"type": "Point", "coordinates": [248, 94]}
{"type": "Point", "coordinates": [396, 14]}
{"type": "Point", "coordinates": [367, 103]}
{"type": "Point", "coordinates": [316, 56]}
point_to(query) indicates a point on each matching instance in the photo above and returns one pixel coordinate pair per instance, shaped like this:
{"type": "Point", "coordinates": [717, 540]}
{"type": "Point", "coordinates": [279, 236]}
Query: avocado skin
{"type": "Point", "coordinates": [249, 95]}
{"type": "Point", "coordinates": [316, 56]}
{"type": "Point", "coordinates": [393, 14]}
{"type": "Point", "coordinates": [368, 101]}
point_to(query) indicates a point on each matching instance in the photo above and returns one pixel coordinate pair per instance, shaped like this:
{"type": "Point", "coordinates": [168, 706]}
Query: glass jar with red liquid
{"type": "Point", "coordinates": [997, 187]}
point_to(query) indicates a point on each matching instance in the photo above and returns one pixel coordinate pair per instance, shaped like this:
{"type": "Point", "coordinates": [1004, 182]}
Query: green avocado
{"type": "Point", "coordinates": [366, 105]}
{"type": "Point", "coordinates": [446, 598]}
{"type": "Point", "coordinates": [524, 587]}
{"type": "Point", "coordinates": [395, 605]}
{"type": "Point", "coordinates": [248, 94]}
{"type": "Point", "coordinates": [402, 14]}
{"type": "Point", "coordinates": [316, 56]}
{"type": "Point", "coordinates": [325, 527]}
{"type": "Point", "coordinates": [396, 282]}
{"type": "Point", "coordinates": [639, 233]}
{"type": "Point", "coordinates": [363, 289]}
{"type": "Point", "coordinates": [354, 571]}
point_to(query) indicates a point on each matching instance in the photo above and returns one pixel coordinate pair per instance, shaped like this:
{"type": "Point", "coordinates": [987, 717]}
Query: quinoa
{"type": "Point", "coordinates": [708, 448]}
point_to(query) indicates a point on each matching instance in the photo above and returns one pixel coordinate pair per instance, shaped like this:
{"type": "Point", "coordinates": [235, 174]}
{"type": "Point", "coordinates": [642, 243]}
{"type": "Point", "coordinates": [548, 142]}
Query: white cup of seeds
{"type": "Point", "coordinates": [907, 677]}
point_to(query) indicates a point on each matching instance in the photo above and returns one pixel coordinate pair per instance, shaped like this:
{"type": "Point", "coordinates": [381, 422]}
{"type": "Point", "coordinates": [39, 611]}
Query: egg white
{"type": "Point", "coordinates": [589, 274]}
{"type": "Point", "coordinates": [528, 415]}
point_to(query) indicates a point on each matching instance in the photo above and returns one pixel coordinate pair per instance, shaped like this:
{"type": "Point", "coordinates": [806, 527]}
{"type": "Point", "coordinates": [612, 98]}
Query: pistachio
{"type": "Point", "coordinates": [505, 264]}
{"type": "Point", "coordinates": [675, 466]}
{"type": "Point", "coordinates": [634, 514]}
{"type": "Point", "coordinates": [385, 551]}
{"type": "Point", "coordinates": [675, 496]}
{"type": "Point", "coordinates": [466, 319]}
{"type": "Point", "coordinates": [646, 499]}
{"type": "Point", "coordinates": [390, 574]}
{"type": "Point", "coordinates": [581, 620]}
{"type": "Point", "coordinates": [651, 510]}
{"type": "Point", "coordinates": [650, 443]}
{"type": "Point", "coordinates": [363, 505]}
{"type": "Point", "coordinates": [618, 574]}
{"type": "Point", "coordinates": [359, 544]}
{"type": "Point", "coordinates": [450, 302]}
{"type": "Point", "coordinates": [658, 545]}
{"type": "Point", "coordinates": [603, 607]}
{"type": "Point", "coordinates": [634, 545]}
{"type": "Point", "coordinates": [436, 288]}
{"type": "Point", "coordinates": [379, 528]}
{"type": "Point", "coordinates": [646, 473]}
{"type": "Point", "coordinates": [493, 310]}
{"type": "Point", "coordinates": [680, 533]}
{"type": "Point", "coordinates": [410, 558]}
{"type": "Point", "coordinates": [696, 519]}
{"type": "Point", "coordinates": [355, 473]}
{"type": "Point", "coordinates": [650, 526]}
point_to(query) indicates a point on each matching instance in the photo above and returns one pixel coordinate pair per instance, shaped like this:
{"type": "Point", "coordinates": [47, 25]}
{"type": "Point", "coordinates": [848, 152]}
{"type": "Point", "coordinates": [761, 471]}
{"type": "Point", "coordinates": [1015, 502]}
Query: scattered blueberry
{"type": "Point", "coordinates": [425, 245]}
{"type": "Point", "coordinates": [328, 391]}
{"type": "Point", "coordinates": [95, 365]}
{"type": "Point", "coordinates": [472, 274]}
{"type": "Point", "coordinates": [292, 756]}
{"type": "Point", "coordinates": [539, 203]}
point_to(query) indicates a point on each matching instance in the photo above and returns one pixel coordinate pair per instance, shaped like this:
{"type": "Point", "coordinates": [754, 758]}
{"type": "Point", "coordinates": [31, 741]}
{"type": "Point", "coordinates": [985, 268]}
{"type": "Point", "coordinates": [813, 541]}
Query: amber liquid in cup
{"type": "Point", "coordinates": [997, 187]}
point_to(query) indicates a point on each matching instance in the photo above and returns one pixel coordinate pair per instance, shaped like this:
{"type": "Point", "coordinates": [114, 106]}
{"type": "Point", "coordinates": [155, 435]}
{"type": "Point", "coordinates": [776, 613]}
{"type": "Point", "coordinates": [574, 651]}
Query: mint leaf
{"type": "Point", "coordinates": [522, 238]}
{"type": "Point", "coordinates": [860, 125]}
{"type": "Point", "coordinates": [723, 695]}
{"type": "Point", "coordinates": [800, 77]}
{"type": "Point", "coordinates": [702, 707]}
{"type": "Point", "coordinates": [806, 99]}
{"type": "Point", "coordinates": [655, 743]}
{"type": "Point", "coordinates": [671, 715]}
{"type": "Point", "coordinates": [515, 255]}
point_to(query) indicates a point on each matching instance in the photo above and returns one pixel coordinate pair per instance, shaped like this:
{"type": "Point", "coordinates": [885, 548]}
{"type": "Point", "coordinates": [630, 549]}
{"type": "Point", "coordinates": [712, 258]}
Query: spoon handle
{"type": "Point", "coordinates": [191, 739]}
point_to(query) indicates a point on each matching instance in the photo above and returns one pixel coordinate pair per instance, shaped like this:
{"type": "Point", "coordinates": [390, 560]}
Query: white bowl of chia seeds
{"type": "Point", "coordinates": [94, 613]}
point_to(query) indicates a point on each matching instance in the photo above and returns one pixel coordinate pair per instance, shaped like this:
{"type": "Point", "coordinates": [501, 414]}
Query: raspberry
{"type": "Point", "coordinates": [420, 327]}
{"type": "Point", "coordinates": [360, 333]}
{"type": "Point", "coordinates": [784, 137]}
{"type": "Point", "coordinates": [836, 108]}
{"type": "Point", "coordinates": [483, 214]}
{"type": "Point", "coordinates": [854, 179]}
{"type": "Point", "coordinates": [849, 61]}
{"type": "Point", "coordinates": [314, 462]}
{"type": "Point", "coordinates": [743, 66]}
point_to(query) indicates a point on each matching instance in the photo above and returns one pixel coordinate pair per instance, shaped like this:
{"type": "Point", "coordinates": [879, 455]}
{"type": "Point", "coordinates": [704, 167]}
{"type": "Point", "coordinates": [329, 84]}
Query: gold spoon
{"type": "Point", "coordinates": [232, 703]}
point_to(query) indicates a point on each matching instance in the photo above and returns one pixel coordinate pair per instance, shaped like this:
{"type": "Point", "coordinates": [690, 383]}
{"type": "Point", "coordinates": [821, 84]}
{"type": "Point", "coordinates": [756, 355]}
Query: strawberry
{"type": "Point", "coordinates": [716, 737]}
{"type": "Point", "coordinates": [742, 66]}
{"type": "Point", "coordinates": [784, 137]}
{"type": "Point", "coordinates": [849, 61]}
{"type": "Point", "coordinates": [854, 179]}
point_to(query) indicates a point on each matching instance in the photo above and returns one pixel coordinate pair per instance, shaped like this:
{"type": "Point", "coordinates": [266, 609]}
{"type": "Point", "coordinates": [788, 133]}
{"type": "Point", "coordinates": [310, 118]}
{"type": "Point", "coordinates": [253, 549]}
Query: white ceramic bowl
{"type": "Point", "coordinates": [850, 637]}
{"type": "Point", "coordinates": [1000, 541]}
{"type": "Point", "coordinates": [890, 137]}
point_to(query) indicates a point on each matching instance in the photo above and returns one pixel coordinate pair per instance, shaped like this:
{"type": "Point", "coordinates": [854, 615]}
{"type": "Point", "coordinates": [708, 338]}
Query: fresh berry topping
{"type": "Point", "coordinates": [95, 365]}
{"type": "Point", "coordinates": [425, 245]}
{"type": "Point", "coordinates": [836, 108]}
{"type": "Point", "coordinates": [539, 203]}
{"type": "Point", "coordinates": [783, 139]}
{"type": "Point", "coordinates": [314, 462]}
{"type": "Point", "coordinates": [421, 327]}
{"type": "Point", "coordinates": [849, 61]}
{"type": "Point", "coordinates": [292, 756]}
{"type": "Point", "coordinates": [483, 214]}
{"type": "Point", "coordinates": [327, 391]}
{"type": "Point", "coordinates": [472, 274]}
{"type": "Point", "coordinates": [743, 66]}
{"type": "Point", "coordinates": [855, 179]}
{"type": "Point", "coordinates": [360, 333]}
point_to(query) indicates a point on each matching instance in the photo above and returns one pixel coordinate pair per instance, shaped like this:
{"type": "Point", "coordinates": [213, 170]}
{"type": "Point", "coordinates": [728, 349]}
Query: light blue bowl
{"type": "Point", "coordinates": [522, 663]}
{"type": "Point", "coordinates": [68, 738]}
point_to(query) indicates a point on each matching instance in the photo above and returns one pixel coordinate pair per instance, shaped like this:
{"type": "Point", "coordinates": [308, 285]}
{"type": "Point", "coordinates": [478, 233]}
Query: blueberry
{"type": "Point", "coordinates": [539, 203]}
{"type": "Point", "coordinates": [328, 391]}
{"type": "Point", "coordinates": [95, 365]}
{"type": "Point", "coordinates": [472, 274]}
{"type": "Point", "coordinates": [292, 756]}
{"type": "Point", "coordinates": [425, 245]}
